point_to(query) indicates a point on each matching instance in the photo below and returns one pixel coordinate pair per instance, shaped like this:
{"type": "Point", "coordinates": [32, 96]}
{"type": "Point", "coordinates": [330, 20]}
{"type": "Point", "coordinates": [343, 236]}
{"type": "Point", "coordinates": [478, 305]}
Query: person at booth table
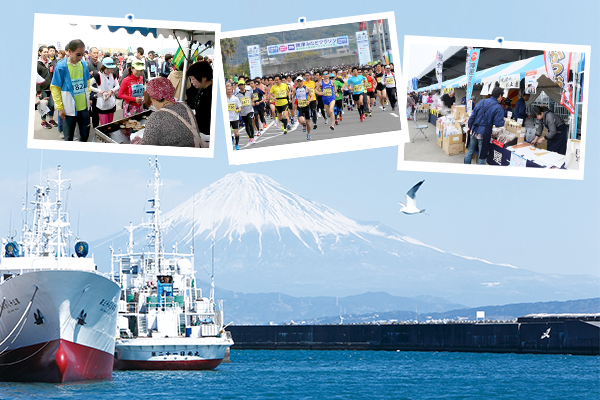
{"type": "Point", "coordinates": [557, 130]}
{"type": "Point", "coordinates": [486, 114]}
{"type": "Point", "coordinates": [174, 123]}
{"type": "Point", "coordinates": [506, 106]}
{"type": "Point", "coordinates": [521, 108]}
{"type": "Point", "coordinates": [70, 88]}
{"type": "Point", "coordinates": [448, 99]}
{"type": "Point", "coordinates": [132, 89]}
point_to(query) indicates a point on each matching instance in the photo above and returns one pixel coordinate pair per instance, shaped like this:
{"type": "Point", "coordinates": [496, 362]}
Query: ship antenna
{"type": "Point", "coordinates": [41, 164]}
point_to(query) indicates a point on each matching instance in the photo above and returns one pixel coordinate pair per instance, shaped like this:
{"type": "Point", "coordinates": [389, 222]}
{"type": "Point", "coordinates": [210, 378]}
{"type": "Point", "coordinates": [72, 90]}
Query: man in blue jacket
{"type": "Point", "coordinates": [487, 113]}
{"type": "Point", "coordinates": [521, 108]}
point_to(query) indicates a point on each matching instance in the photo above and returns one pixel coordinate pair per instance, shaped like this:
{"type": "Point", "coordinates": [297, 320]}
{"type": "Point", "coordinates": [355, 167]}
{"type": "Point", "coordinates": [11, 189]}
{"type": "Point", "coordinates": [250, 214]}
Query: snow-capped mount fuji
{"type": "Point", "coordinates": [269, 239]}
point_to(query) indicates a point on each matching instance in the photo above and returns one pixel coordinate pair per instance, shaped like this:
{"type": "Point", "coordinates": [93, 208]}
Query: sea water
{"type": "Point", "coordinates": [305, 374]}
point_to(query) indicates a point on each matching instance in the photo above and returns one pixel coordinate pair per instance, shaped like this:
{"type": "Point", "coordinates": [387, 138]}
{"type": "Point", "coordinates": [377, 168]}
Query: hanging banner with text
{"type": "Point", "coordinates": [473, 55]}
{"type": "Point", "coordinates": [439, 65]}
{"type": "Point", "coordinates": [254, 61]}
{"type": "Point", "coordinates": [307, 45]}
{"type": "Point", "coordinates": [531, 82]}
{"type": "Point", "coordinates": [558, 65]}
{"type": "Point", "coordinates": [510, 81]}
{"type": "Point", "coordinates": [364, 51]}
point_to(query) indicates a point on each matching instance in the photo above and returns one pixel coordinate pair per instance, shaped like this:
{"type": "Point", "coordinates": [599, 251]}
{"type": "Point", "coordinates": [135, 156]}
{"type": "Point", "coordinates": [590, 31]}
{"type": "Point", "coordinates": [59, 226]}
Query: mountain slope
{"type": "Point", "coordinates": [269, 239]}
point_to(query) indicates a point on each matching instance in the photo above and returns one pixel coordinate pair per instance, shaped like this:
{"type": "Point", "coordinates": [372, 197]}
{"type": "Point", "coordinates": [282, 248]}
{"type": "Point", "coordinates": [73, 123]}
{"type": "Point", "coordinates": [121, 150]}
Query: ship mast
{"type": "Point", "coordinates": [155, 223]}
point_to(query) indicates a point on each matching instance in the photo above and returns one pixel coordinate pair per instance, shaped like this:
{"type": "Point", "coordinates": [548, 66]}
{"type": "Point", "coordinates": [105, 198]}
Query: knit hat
{"type": "Point", "coordinates": [161, 89]}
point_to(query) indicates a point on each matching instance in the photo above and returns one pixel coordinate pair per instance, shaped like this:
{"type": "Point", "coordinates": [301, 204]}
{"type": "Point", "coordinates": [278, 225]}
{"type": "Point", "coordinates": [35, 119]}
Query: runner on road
{"type": "Point", "coordinates": [356, 83]}
{"type": "Point", "coordinates": [381, 92]}
{"type": "Point", "coordinates": [390, 86]}
{"type": "Point", "coordinates": [281, 91]}
{"type": "Point", "coordinates": [327, 90]}
{"type": "Point", "coordinates": [233, 107]}
{"type": "Point", "coordinates": [247, 111]}
{"type": "Point", "coordinates": [302, 95]}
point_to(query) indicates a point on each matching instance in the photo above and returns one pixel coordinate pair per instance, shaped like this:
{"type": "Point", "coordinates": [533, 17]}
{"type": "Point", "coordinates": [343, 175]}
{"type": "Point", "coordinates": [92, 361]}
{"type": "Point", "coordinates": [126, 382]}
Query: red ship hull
{"type": "Point", "coordinates": [56, 361]}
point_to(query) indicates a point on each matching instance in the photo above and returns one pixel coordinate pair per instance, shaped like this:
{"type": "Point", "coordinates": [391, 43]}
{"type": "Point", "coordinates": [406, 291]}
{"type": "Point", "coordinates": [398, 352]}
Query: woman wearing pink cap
{"type": "Point", "coordinates": [174, 123]}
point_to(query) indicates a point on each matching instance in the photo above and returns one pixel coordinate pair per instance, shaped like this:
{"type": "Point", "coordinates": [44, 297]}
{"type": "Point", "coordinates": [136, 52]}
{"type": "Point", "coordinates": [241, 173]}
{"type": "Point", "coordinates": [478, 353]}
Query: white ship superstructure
{"type": "Point", "coordinates": [164, 321]}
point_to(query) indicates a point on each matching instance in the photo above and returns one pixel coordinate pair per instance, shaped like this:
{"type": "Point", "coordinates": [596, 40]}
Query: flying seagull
{"type": "Point", "coordinates": [411, 204]}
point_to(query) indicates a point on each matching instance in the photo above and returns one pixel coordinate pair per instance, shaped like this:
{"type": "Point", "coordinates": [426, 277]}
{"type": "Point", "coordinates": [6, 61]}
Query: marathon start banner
{"type": "Point", "coordinates": [307, 45]}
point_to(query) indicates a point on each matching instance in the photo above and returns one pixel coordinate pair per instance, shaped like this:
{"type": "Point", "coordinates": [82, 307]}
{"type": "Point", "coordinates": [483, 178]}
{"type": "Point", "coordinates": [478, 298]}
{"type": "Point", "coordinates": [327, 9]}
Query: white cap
{"type": "Point", "coordinates": [299, 78]}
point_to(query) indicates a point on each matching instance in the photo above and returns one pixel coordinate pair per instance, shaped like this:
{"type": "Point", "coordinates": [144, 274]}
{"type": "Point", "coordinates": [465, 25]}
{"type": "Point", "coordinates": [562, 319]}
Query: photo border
{"type": "Point", "coordinates": [33, 143]}
{"type": "Point", "coordinates": [425, 166]}
{"type": "Point", "coordinates": [326, 146]}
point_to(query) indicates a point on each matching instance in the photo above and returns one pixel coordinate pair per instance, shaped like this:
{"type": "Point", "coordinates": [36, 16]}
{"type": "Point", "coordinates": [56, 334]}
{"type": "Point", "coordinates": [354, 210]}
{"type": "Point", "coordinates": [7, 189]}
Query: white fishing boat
{"type": "Point", "coordinates": [164, 321]}
{"type": "Point", "coordinates": [58, 318]}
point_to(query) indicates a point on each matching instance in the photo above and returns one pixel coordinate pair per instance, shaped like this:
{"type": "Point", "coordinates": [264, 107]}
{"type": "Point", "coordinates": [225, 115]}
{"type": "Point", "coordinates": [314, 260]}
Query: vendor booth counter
{"type": "Point", "coordinates": [123, 130]}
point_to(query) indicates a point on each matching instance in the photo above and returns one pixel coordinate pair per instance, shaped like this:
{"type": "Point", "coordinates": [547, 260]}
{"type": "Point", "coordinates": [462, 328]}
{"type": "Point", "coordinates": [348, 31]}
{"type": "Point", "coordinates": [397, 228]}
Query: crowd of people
{"type": "Point", "coordinates": [85, 88]}
{"type": "Point", "coordinates": [306, 96]}
{"type": "Point", "coordinates": [491, 111]}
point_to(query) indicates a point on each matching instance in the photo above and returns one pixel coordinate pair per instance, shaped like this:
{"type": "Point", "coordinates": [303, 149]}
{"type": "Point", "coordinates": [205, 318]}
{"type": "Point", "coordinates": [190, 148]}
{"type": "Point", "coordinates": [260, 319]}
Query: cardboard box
{"type": "Point", "coordinates": [439, 141]}
{"type": "Point", "coordinates": [454, 139]}
{"type": "Point", "coordinates": [453, 149]}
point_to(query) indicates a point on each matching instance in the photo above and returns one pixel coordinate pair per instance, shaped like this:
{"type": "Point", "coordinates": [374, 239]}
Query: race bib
{"type": "Point", "coordinates": [327, 92]}
{"type": "Point", "coordinates": [302, 103]}
{"type": "Point", "coordinates": [255, 96]}
{"type": "Point", "coordinates": [389, 81]}
{"type": "Point", "coordinates": [245, 101]}
{"type": "Point", "coordinates": [231, 107]}
{"type": "Point", "coordinates": [358, 88]}
{"type": "Point", "coordinates": [369, 85]}
{"type": "Point", "coordinates": [137, 90]}
{"type": "Point", "coordinates": [281, 93]}
{"type": "Point", "coordinates": [379, 79]}
{"type": "Point", "coordinates": [78, 86]}
{"type": "Point", "coordinates": [153, 68]}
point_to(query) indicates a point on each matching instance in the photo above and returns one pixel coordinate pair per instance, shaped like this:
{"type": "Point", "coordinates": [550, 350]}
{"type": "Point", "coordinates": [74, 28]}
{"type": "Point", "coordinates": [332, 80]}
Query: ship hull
{"type": "Point", "coordinates": [170, 353]}
{"type": "Point", "coordinates": [57, 326]}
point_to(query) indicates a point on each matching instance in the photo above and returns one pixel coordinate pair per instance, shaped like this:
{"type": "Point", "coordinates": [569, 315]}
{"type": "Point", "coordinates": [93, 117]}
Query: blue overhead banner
{"type": "Point", "coordinates": [307, 45]}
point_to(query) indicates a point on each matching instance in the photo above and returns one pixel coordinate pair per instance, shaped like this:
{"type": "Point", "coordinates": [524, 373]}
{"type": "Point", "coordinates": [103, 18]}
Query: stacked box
{"type": "Point", "coordinates": [458, 111]}
{"type": "Point", "coordinates": [513, 127]}
{"type": "Point", "coordinates": [453, 144]}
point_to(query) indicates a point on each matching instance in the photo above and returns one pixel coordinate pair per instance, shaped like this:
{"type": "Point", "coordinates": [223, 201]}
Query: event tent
{"type": "Point", "coordinates": [205, 38]}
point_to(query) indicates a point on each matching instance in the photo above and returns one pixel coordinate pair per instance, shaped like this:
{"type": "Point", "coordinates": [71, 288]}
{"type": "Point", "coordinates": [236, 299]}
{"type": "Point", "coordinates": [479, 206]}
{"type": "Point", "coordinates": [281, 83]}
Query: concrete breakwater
{"type": "Point", "coordinates": [543, 334]}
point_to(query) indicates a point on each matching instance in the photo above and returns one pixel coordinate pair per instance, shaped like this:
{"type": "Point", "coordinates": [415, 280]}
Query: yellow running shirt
{"type": "Point", "coordinates": [311, 85]}
{"type": "Point", "coordinates": [281, 93]}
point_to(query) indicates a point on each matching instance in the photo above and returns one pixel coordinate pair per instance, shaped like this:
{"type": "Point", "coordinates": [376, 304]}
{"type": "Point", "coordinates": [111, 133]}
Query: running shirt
{"type": "Point", "coordinates": [357, 83]}
{"type": "Point", "coordinates": [328, 91]}
{"type": "Point", "coordinates": [311, 85]}
{"type": "Point", "coordinates": [258, 96]}
{"type": "Point", "coordinates": [389, 80]}
{"type": "Point", "coordinates": [246, 102]}
{"type": "Point", "coordinates": [339, 85]}
{"type": "Point", "coordinates": [370, 83]}
{"type": "Point", "coordinates": [281, 93]}
{"type": "Point", "coordinates": [76, 72]}
{"type": "Point", "coordinates": [302, 97]}
{"type": "Point", "coordinates": [233, 107]}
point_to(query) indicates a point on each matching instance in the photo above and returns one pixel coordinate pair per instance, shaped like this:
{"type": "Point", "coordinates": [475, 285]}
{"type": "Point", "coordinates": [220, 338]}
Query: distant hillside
{"type": "Point", "coordinates": [503, 313]}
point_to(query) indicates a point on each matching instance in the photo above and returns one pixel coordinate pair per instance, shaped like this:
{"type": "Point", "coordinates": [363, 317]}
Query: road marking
{"type": "Point", "coordinates": [394, 115]}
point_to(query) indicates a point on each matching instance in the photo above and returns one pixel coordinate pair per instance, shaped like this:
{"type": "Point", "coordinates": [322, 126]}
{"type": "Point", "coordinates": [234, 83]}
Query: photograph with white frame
{"type": "Point", "coordinates": [128, 41]}
{"type": "Point", "coordinates": [439, 73]}
{"type": "Point", "coordinates": [330, 44]}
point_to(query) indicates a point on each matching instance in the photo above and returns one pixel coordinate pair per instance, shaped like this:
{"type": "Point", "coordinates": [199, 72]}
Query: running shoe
{"type": "Point", "coordinates": [61, 135]}
{"type": "Point", "coordinates": [383, 108]}
{"type": "Point", "coordinates": [341, 118]}
{"type": "Point", "coordinates": [361, 118]}
{"type": "Point", "coordinates": [252, 140]}
{"type": "Point", "coordinates": [304, 128]}
{"type": "Point", "coordinates": [237, 147]}
{"type": "Point", "coordinates": [46, 125]}
{"type": "Point", "coordinates": [336, 122]}
{"type": "Point", "coordinates": [332, 127]}
{"type": "Point", "coordinates": [308, 137]}
{"type": "Point", "coordinates": [370, 114]}
{"type": "Point", "coordinates": [285, 131]}
{"type": "Point", "coordinates": [315, 126]}
{"type": "Point", "coordinates": [232, 140]}
{"type": "Point", "coordinates": [53, 123]}
{"type": "Point", "coordinates": [289, 126]}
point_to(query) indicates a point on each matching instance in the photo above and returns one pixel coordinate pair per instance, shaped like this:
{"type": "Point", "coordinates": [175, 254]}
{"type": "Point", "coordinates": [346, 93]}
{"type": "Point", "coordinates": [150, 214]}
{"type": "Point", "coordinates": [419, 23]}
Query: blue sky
{"type": "Point", "coordinates": [549, 226]}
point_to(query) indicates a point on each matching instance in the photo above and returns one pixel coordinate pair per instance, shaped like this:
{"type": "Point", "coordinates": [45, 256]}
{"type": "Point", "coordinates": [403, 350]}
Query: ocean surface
{"type": "Point", "coordinates": [305, 374]}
